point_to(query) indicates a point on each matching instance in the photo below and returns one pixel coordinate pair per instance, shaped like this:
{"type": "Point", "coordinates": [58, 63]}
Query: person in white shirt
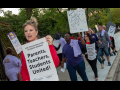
{"type": "Point", "coordinates": [11, 65]}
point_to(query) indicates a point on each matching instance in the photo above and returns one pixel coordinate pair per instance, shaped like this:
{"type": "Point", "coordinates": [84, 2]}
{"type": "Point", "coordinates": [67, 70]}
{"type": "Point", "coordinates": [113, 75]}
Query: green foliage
{"type": "Point", "coordinates": [51, 21]}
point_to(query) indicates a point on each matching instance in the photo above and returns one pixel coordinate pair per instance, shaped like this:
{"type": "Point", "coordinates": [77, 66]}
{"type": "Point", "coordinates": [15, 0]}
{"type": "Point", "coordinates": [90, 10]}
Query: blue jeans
{"type": "Point", "coordinates": [105, 50]}
{"type": "Point", "coordinates": [80, 68]}
{"type": "Point", "coordinates": [98, 56]}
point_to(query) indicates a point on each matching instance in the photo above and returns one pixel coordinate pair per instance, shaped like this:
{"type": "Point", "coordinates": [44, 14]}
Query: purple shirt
{"type": "Point", "coordinates": [102, 33]}
{"type": "Point", "coordinates": [11, 67]}
{"type": "Point", "coordinates": [69, 54]}
{"type": "Point", "coordinates": [62, 41]}
{"type": "Point", "coordinates": [76, 47]}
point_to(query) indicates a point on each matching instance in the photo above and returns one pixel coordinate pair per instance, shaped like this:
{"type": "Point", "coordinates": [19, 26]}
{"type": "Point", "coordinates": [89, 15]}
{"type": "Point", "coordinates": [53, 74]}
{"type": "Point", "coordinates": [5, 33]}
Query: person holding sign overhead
{"type": "Point", "coordinates": [31, 32]}
{"type": "Point", "coordinates": [72, 54]}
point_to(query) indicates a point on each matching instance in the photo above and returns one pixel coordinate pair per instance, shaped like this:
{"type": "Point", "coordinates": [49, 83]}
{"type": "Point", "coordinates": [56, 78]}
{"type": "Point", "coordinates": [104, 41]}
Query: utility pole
{"type": "Point", "coordinates": [109, 14]}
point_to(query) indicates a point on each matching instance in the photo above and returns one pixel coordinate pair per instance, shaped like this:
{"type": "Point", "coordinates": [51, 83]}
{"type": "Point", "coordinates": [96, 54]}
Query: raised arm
{"type": "Point", "coordinates": [82, 41]}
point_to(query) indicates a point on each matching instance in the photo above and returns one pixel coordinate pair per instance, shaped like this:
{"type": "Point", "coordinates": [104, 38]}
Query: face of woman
{"type": "Point", "coordinates": [86, 37]}
{"type": "Point", "coordinates": [30, 33]}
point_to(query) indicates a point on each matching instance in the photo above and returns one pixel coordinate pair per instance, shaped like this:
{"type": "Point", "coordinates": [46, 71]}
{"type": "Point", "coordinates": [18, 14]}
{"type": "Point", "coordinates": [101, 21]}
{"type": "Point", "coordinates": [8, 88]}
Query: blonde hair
{"type": "Point", "coordinates": [91, 30]}
{"type": "Point", "coordinates": [33, 22]}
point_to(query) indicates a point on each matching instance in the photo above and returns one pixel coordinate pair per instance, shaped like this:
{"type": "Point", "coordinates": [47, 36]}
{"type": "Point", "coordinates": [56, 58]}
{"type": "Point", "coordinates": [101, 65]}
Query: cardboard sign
{"type": "Point", "coordinates": [39, 61]}
{"type": "Point", "coordinates": [91, 51]}
{"type": "Point", "coordinates": [77, 21]}
{"type": "Point", "coordinates": [111, 29]}
{"type": "Point", "coordinates": [56, 44]}
{"type": "Point", "coordinates": [15, 42]}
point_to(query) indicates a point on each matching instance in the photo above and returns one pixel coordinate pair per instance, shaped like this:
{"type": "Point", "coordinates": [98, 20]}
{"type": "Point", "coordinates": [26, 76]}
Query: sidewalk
{"type": "Point", "coordinates": [102, 73]}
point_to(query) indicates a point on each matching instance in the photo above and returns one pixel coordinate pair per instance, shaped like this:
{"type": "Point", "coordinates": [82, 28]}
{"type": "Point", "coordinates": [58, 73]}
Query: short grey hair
{"type": "Point", "coordinates": [103, 26]}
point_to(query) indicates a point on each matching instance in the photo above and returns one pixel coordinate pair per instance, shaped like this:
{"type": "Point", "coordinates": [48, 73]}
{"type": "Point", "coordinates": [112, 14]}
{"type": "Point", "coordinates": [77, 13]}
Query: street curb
{"type": "Point", "coordinates": [114, 68]}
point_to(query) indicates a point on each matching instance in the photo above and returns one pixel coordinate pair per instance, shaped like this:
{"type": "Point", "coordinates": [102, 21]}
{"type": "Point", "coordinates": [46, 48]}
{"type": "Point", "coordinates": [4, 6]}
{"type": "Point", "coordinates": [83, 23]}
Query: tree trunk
{"type": "Point", "coordinates": [87, 15]}
{"type": "Point", "coordinates": [28, 12]}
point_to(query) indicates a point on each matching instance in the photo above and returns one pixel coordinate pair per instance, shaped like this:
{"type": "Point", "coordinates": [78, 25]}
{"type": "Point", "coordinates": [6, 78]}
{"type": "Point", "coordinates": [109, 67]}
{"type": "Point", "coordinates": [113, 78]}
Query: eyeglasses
{"type": "Point", "coordinates": [66, 36]}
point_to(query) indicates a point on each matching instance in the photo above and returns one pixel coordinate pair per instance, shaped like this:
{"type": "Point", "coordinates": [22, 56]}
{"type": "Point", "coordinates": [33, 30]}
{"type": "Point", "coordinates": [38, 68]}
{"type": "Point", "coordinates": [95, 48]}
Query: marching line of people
{"type": "Point", "coordinates": [72, 51]}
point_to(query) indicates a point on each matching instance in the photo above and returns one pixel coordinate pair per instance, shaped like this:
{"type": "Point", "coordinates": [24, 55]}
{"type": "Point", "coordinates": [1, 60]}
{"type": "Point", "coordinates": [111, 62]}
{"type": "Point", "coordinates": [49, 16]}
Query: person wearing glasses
{"type": "Point", "coordinates": [72, 54]}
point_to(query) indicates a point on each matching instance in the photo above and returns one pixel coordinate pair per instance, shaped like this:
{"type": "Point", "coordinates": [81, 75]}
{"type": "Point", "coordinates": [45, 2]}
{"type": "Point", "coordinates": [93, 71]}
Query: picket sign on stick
{"type": "Point", "coordinates": [39, 61]}
{"type": "Point", "coordinates": [15, 42]}
{"type": "Point", "coordinates": [111, 29]}
{"type": "Point", "coordinates": [77, 20]}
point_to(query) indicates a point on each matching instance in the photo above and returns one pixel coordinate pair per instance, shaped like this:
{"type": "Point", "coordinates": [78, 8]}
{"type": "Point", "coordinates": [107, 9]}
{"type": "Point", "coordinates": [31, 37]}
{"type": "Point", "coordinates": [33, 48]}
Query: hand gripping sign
{"type": "Point", "coordinates": [39, 61]}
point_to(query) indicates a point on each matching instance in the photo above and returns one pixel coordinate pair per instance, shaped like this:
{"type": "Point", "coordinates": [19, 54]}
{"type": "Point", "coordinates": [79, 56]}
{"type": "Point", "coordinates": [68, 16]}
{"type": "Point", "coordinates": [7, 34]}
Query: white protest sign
{"type": "Point", "coordinates": [111, 31]}
{"type": "Point", "coordinates": [63, 69]}
{"type": "Point", "coordinates": [56, 44]}
{"type": "Point", "coordinates": [39, 61]}
{"type": "Point", "coordinates": [15, 42]}
{"type": "Point", "coordinates": [77, 20]}
{"type": "Point", "coordinates": [91, 51]}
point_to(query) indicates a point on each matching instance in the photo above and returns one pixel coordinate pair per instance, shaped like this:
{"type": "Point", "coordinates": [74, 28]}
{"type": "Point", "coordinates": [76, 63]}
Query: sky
{"type": "Point", "coordinates": [14, 10]}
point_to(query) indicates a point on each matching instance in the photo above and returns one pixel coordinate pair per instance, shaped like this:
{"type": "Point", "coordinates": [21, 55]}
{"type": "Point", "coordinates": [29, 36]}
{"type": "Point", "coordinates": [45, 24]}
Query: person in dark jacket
{"type": "Point", "coordinates": [92, 63]}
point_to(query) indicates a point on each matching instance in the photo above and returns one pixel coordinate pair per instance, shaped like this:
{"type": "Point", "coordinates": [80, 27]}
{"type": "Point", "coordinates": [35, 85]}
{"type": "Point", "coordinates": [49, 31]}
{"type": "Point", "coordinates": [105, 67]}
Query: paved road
{"type": "Point", "coordinates": [102, 73]}
{"type": "Point", "coordinates": [65, 76]}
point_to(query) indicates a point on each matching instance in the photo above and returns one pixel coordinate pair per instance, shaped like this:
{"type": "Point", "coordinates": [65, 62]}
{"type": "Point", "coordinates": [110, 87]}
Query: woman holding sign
{"type": "Point", "coordinates": [31, 33]}
{"type": "Point", "coordinates": [96, 40]}
{"type": "Point", "coordinates": [91, 61]}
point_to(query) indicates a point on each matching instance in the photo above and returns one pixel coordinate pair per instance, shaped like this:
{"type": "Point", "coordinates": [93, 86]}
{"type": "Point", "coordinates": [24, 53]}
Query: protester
{"type": "Point", "coordinates": [96, 40]}
{"type": "Point", "coordinates": [104, 38]}
{"type": "Point", "coordinates": [73, 56]}
{"type": "Point", "coordinates": [71, 36]}
{"type": "Point", "coordinates": [10, 63]}
{"type": "Point", "coordinates": [31, 32]}
{"type": "Point", "coordinates": [92, 63]}
{"type": "Point", "coordinates": [62, 42]}
{"type": "Point", "coordinates": [113, 42]}
{"type": "Point", "coordinates": [109, 50]}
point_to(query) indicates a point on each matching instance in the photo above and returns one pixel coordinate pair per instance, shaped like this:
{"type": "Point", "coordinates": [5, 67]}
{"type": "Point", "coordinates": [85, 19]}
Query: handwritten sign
{"type": "Point", "coordinates": [77, 20]}
{"type": "Point", "coordinates": [91, 51]}
{"type": "Point", "coordinates": [56, 44]}
{"type": "Point", "coordinates": [111, 29]}
{"type": "Point", "coordinates": [15, 42]}
{"type": "Point", "coordinates": [39, 61]}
